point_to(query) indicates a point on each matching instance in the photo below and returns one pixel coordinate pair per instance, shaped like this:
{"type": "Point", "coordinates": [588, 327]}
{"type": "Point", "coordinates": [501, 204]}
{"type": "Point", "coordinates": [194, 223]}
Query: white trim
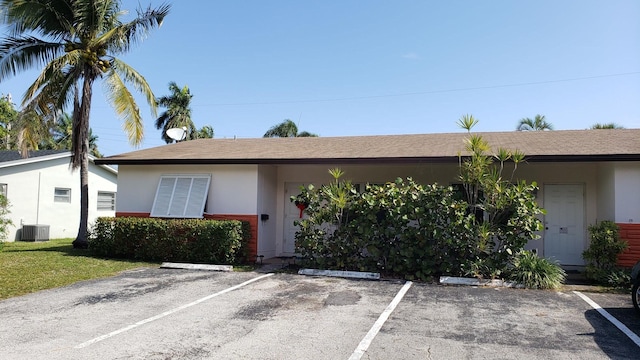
{"type": "Point", "coordinates": [62, 155]}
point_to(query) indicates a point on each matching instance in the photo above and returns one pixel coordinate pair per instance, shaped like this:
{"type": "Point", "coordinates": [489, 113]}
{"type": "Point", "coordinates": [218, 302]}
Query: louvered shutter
{"type": "Point", "coordinates": [181, 196]}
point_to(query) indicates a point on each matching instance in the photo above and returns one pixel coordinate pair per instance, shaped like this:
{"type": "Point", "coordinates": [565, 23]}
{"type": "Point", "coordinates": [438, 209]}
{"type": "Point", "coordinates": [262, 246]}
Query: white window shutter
{"type": "Point", "coordinates": [197, 197]}
{"type": "Point", "coordinates": [181, 196]}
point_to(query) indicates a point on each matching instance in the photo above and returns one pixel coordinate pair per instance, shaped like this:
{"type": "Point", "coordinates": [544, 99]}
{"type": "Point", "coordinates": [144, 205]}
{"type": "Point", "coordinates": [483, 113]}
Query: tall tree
{"type": "Point", "coordinates": [606, 126]}
{"type": "Point", "coordinates": [8, 115]}
{"type": "Point", "coordinates": [75, 43]}
{"type": "Point", "coordinates": [205, 132]}
{"type": "Point", "coordinates": [287, 128]}
{"type": "Point", "coordinates": [178, 113]}
{"type": "Point", "coordinates": [32, 131]}
{"type": "Point", "coordinates": [537, 124]}
{"type": "Point", "coordinates": [62, 132]}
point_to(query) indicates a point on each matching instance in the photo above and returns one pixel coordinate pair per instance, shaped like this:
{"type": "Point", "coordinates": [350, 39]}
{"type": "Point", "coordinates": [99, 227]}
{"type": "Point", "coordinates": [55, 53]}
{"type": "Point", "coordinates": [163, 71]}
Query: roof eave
{"type": "Point", "coordinates": [386, 160]}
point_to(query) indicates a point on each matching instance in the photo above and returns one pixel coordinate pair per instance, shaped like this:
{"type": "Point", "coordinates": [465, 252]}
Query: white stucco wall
{"type": "Point", "coordinates": [233, 189]}
{"type": "Point", "coordinates": [606, 192]}
{"type": "Point", "coordinates": [267, 201]}
{"type": "Point", "coordinates": [31, 189]}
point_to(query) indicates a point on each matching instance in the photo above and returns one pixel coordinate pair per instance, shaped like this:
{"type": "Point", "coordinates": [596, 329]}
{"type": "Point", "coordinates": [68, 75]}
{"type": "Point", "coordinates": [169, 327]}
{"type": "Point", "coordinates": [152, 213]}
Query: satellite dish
{"type": "Point", "coordinates": [177, 134]}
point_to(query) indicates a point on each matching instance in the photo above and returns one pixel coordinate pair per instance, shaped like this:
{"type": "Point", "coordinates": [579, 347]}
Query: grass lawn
{"type": "Point", "coordinates": [26, 267]}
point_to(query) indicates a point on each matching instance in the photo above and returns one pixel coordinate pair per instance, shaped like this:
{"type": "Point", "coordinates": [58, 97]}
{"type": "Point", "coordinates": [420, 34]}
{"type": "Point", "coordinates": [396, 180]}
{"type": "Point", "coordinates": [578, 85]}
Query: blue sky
{"type": "Point", "coordinates": [343, 67]}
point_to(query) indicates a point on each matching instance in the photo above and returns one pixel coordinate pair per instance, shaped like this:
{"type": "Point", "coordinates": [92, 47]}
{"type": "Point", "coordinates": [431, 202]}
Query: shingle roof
{"type": "Point", "coordinates": [562, 145]}
{"type": "Point", "coordinates": [13, 155]}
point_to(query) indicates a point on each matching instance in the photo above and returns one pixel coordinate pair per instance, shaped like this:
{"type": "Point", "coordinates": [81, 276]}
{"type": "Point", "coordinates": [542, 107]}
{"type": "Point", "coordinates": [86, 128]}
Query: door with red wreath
{"type": "Point", "coordinates": [292, 212]}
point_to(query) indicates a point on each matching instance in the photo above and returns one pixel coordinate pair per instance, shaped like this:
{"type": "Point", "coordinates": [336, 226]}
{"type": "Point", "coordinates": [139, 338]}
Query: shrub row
{"type": "Point", "coordinates": [414, 231]}
{"type": "Point", "coordinates": [189, 240]}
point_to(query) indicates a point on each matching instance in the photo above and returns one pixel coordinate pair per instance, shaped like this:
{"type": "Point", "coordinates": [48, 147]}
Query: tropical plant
{"type": "Point", "coordinates": [537, 124]}
{"type": "Point", "coordinates": [505, 210]}
{"type": "Point", "coordinates": [5, 222]}
{"type": "Point", "coordinates": [32, 131]}
{"type": "Point", "coordinates": [178, 113]}
{"type": "Point", "coordinates": [603, 251]}
{"type": "Point", "coordinates": [534, 272]}
{"type": "Point", "coordinates": [287, 128]}
{"type": "Point", "coordinates": [75, 43]}
{"type": "Point", "coordinates": [62, 132]}
{"type": "Point", "coordinates": [8, 115]}
{"type": "Point", "coordinates": [205, 132]}
{"type": "Point", "coordinates": [599, 126]}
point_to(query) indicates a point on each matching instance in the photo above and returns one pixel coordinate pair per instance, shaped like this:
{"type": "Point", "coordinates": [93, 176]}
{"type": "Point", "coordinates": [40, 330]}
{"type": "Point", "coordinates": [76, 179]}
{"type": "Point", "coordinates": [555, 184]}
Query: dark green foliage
{"type": "Point", "coordinates": [5, 222]}
{"type": "Point", "coordinates": [196, 241]}
{"type": "Point", "coordinates": [620, 278]}
{"type": "Point", "coordinates": [603, 251]}
{"type": "Point", "coordinates": [535, 272]}
{"type": "Point", "coordinates": [410, 230]}
{"type": "Point", "coordinates": [422, 231]}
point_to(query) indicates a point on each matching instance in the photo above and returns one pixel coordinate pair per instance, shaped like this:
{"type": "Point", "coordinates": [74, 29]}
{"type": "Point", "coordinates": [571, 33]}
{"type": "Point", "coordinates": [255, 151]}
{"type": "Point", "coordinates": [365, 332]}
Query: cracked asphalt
{"type": "Point", "coordinates": [180, 314]}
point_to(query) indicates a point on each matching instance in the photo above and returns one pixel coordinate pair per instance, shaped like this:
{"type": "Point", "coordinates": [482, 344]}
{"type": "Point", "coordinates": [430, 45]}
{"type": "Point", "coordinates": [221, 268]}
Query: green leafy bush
{"type": "Point", "coordinates": [534, 272]}
{"type": "Point", "coordinates": [603, 251]}
{"type": "Point", "coordinates": [190, 240]}
{"type": "Point", "coordinates": [5, 222]}
{"type": "Point", "coordinates": [421, 231]}
{"type": "Point", "coordinates": [620, 278]}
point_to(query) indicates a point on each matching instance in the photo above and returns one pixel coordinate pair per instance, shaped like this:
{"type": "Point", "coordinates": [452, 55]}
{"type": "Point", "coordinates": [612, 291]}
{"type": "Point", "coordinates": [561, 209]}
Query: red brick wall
{"type": "Point", "coordinates": [251, 219]}
{"type": "Point", "coordinates": [631, 234]}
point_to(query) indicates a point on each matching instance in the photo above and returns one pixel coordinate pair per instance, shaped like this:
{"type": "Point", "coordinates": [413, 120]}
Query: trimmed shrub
{"type": "Point", "coordinates": [603, 251]}
{"type": "Point", "coordinates": [534, 272]}
{"type": "Point", "coordinates": [5, 222]}
{"type": "Point", "coordinates": [190, 240]}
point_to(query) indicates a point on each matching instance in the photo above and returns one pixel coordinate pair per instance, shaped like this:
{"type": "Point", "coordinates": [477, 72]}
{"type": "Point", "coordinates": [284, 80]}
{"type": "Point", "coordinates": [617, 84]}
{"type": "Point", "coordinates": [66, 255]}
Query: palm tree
{"type": "Point", "coordinates": [178, 113]}
{"type": "Point", "coordinates": [32, 131]}
{"type": "Point", "coordinates": [75, 43]}
{"type": "Point", "coordinates": [537, 124]}
{"type": "Point", "coordinates": [606, 126]}
{"type": "Point", "coordinates": [287, 128]}
{"type": "Point", "coordinates": [62, 132]}
{"type": "Point", "coordinates": [205, 132]}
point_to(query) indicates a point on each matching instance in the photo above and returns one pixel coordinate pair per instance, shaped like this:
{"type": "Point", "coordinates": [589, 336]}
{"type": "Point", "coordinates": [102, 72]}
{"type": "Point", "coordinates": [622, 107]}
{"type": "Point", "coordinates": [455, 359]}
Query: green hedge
{"type": "Point", "coordinates": [189, 240]}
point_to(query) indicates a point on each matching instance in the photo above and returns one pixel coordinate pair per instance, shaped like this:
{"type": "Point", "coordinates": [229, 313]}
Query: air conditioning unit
{"type": "Point", "coordinates": [35, 233]}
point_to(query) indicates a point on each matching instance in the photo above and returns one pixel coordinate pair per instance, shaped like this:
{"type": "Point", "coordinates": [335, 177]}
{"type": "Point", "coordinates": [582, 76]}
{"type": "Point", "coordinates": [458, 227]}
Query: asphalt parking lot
{"type": "Point", "coordinates": [179, 314]}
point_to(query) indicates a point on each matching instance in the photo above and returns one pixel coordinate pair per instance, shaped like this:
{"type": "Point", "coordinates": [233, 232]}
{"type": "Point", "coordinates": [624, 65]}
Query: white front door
{"type": "Point", "coordinates": [291, 214]}
{"type": "Point", "coordinates": [564, 230]}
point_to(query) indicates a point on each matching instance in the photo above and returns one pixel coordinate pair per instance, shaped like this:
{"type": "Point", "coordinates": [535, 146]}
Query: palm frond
{"type": "Point", "coordinates": [122, 37]}
{"type": "Point", "coordinates": [125, 106]}
{"type": "Point", "coordinates": [131, 76]}
{"type": "Point", "coordinates": [52, 18]}
{"type": "Point", "coordinates": [22, 53]}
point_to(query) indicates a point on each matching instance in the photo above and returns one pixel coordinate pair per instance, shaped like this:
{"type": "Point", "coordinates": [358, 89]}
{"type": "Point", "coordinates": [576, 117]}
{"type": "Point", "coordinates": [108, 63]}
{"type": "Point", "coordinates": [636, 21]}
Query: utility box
{"type": "Point", "coordinates": [35, 233]}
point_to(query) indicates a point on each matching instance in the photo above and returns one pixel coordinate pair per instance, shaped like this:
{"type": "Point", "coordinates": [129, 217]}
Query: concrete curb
{"type": "Point", "coordinates": [452, 280]}
{"type": "Point", "coordinates": [338, 273]}
{"type": "Point", "coordinates": [207, 267]}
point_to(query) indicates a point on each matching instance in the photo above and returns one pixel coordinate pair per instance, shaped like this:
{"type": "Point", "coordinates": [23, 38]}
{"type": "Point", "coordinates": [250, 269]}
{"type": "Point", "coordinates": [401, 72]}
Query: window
{"type": "Point", "coordinates": [62, 195]}
{"type": "Point", "coordinates": [181, 196]}
{"type": "Point", "coordinates": [106, 200]}
{"type": "Point", "coordinates": [3, 190]}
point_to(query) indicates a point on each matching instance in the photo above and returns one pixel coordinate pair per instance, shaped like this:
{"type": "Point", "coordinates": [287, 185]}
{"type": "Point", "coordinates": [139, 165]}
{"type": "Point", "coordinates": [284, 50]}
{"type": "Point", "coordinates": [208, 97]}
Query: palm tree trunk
{"type": "Point", "coordinates": [80, 155]}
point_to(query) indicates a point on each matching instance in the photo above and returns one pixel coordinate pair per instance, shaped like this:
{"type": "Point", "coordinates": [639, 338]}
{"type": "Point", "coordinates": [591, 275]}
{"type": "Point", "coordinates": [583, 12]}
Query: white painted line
{"type": "Point", "coordinates": [339, 273]}
{"type": "Point", "coordinates": [366, 341]}
{"type": "Point", "coordinates": [209, 267]}
{"type": "Point", "coordinates": [630, 334]}
{"type": "Point", "coordinates": [169, 312]}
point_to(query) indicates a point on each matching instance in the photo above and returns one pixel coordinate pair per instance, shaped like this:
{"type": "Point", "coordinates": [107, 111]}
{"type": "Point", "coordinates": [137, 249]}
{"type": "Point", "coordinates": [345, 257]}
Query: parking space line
{"type": "Point", "coordinates": [630, 334]}
{"type": "Point", "coordinates": [366, 341]}
{"type": "Point", "coordinates": [169, 312]}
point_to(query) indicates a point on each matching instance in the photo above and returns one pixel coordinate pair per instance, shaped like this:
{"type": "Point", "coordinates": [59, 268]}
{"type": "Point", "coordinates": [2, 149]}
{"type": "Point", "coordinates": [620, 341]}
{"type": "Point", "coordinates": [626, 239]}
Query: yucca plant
{"type": "Point", "coordinates": [534, 272]}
